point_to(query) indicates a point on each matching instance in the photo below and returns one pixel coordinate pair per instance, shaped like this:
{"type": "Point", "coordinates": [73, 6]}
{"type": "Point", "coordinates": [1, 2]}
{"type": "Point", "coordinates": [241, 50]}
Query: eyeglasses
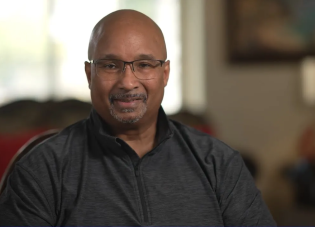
{"type": "Point", "coordinates": [110, 69]}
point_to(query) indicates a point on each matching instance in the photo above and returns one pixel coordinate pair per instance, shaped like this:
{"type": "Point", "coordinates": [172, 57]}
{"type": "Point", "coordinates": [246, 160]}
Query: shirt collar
{"type": "Point", "coordinates": [102, 131]}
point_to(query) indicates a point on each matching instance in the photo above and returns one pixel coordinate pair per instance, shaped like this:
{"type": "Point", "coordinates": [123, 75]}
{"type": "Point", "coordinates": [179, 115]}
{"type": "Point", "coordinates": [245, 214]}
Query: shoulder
{"type": "Point", "coordinates": [55, 151]}
{"type": "Point", "coordinates": [202, 143]}
{"type": "Point", "coordinates": [217, 160]}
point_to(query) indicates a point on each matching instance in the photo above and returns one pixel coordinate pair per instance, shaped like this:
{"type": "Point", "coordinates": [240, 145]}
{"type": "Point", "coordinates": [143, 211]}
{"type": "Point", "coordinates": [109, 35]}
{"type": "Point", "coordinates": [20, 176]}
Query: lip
{"type": "Point", "coordinates": [127, 103]}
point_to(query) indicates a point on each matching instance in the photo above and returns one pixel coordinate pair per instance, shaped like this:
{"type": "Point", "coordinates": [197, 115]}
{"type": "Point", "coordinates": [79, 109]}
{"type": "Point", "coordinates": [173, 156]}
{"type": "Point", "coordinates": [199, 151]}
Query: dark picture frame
{"type": "Point", "coordinates": [270, 30]}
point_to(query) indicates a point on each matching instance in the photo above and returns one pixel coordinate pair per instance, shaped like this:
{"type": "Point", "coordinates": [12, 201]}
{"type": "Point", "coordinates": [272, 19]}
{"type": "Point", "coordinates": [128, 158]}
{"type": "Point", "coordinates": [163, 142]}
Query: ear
{"type": "Point", "coordinates": [87, 67]}
{"type": "Point", "coordinates": [166, 72]}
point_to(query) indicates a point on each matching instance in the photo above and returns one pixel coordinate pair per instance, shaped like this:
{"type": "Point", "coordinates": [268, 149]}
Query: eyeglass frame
{"type": "Point", "coordinates": [126, 62]}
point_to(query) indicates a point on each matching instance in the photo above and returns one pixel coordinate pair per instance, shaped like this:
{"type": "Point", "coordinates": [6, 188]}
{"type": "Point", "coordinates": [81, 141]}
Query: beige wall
{"type": "Point", "coordinates": [256, 107]}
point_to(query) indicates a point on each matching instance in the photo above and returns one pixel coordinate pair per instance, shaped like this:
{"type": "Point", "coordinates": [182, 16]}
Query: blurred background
{"type": "Point", "coordinates": [241, 70]}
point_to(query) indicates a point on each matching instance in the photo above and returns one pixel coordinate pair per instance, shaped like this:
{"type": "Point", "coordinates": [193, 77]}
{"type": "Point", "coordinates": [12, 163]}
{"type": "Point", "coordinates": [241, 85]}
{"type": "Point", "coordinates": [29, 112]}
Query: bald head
{"type": "Point", "coordinates": [124, 21]}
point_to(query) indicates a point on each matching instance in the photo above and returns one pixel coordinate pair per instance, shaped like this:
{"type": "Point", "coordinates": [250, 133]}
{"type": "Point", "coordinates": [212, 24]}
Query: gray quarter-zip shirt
{"type": "Point", "coordinates": [85, 177]}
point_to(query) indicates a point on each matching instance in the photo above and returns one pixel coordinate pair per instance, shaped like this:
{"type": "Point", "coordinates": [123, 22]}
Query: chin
{"type": "Point", "coordinates": [127, 116]}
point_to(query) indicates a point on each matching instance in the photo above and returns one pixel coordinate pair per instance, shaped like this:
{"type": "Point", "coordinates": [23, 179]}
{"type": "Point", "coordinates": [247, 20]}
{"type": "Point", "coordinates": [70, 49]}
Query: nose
{"type": "Point", "coordinates": [130, 64]}
{"type": "Point", "coordinates": [127, 80]}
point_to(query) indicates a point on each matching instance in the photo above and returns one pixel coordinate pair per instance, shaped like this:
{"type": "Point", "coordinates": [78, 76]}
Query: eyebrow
{"type": "Point", "coordinates": [138, 57]}
{"type": "Point", "coordinates": [109, 56]}
{"type": "Point", "coordinates": [146, 56]}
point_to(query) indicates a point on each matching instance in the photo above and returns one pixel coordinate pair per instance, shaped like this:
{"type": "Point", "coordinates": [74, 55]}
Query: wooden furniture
{"type": "Point", "coordinates": [22, 151]}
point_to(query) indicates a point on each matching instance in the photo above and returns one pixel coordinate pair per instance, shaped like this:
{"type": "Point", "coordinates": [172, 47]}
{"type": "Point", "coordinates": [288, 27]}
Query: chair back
{"type": "Point", "coordinates": [23, 151]}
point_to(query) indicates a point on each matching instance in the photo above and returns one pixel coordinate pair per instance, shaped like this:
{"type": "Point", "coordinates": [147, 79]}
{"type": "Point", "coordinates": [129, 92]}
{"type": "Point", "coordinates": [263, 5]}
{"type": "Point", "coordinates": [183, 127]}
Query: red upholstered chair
{"type": "Point", "coordinates": [24, 150]}
{"type": "Point", "coordinates": [21, 120]}
{"type": "Point", "coordinates": [10, 143]}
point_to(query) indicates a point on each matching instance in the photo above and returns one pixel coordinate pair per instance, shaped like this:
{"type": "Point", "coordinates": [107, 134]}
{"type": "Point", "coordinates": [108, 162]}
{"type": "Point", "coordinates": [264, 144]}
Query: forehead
{"type": "Point", "coordinates": [128, 42]}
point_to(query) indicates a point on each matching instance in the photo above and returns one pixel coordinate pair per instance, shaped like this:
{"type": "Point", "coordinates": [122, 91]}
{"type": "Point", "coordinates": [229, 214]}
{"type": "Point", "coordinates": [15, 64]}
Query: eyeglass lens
{"type": "Point", "coordinates": [109, 69]}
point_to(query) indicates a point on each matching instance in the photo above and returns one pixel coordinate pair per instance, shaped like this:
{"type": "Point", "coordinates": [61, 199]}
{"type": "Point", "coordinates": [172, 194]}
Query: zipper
{"type": "Point", "coordinates": [141, 193]}
{"type": "Point", "coordinates": [139, 183]}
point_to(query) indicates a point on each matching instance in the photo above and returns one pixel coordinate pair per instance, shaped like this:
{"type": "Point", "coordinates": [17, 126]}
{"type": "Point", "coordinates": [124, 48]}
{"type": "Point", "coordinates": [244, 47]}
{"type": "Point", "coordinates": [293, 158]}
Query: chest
{"type": "Point", "coordinates": [155, 191]}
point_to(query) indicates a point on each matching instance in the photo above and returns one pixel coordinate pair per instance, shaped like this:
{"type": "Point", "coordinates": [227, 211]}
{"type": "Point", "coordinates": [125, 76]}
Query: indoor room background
{"type": "Point", "coordinates": [246, 78]}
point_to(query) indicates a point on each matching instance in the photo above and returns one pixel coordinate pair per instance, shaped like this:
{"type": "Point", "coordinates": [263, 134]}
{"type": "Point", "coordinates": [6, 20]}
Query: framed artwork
{"type": "Point", "coordinates": [270, 30]}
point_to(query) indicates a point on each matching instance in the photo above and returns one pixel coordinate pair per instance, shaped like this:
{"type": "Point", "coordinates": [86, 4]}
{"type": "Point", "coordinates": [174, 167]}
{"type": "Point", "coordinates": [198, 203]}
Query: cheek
{"type": "Point", "coordinates": [100, 90]}
{"type": "Point", "coordinates": [155, 90]}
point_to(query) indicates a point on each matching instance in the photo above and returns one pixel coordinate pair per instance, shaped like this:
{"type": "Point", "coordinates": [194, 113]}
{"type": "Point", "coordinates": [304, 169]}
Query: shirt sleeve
{"type": "Point", "coordinates": [240, 201]}
{"type": "Point", "coordinates": [23, 202]}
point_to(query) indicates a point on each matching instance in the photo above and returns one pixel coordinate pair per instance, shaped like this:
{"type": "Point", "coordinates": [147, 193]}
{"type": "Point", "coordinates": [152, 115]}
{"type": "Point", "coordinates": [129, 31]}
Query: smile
{"type": "Point", "coordinates": [127, 103]}
{"type": "Point", "coordinates": [130, 99]}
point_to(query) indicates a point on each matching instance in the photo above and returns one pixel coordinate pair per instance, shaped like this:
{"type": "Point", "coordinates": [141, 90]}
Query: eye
{"type": "Point", "coordinates": [110, 66]}
{"type": "Point", "coordinates": [145, 64]}
{"type": "Point", "coordinates": [107, 65]}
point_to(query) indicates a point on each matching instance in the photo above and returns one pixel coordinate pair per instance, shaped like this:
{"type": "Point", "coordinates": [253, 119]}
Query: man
{"type": "Point", "coordinates": [127, 164]}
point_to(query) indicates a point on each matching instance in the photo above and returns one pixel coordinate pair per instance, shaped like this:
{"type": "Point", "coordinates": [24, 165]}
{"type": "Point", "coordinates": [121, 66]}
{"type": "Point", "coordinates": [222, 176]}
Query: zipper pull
{"type": "Point", "coordinates": [137, 170]}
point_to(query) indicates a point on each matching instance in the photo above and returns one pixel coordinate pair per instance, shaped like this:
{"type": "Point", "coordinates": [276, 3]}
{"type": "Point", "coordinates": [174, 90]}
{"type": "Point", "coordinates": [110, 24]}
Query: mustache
{"type": "Point", "coordinates": [113, 97]}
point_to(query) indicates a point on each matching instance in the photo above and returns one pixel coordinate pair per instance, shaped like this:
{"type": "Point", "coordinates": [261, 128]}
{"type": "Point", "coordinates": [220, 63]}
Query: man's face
{"type": "Point", "coordinates": [127, 99]}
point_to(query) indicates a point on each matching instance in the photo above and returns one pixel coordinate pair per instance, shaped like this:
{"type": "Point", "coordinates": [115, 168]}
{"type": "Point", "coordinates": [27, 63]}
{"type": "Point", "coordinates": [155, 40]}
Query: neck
{"type": "Point", "coordinates": [141, 136]}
